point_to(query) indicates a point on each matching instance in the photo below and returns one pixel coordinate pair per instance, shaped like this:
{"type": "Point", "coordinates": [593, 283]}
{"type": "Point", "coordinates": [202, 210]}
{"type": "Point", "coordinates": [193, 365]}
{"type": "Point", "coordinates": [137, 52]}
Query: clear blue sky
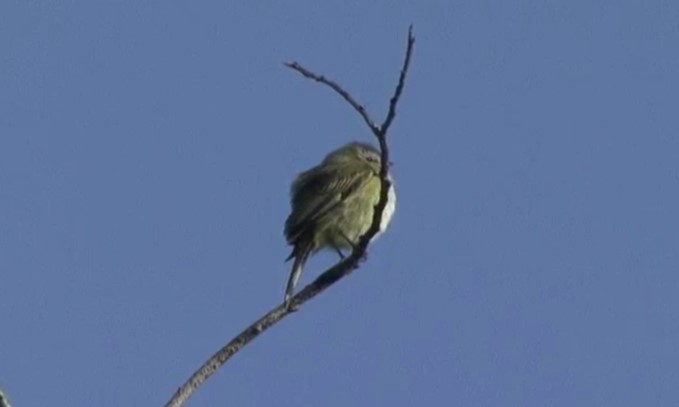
{"type": "Point", "coordinates": [146, 148]}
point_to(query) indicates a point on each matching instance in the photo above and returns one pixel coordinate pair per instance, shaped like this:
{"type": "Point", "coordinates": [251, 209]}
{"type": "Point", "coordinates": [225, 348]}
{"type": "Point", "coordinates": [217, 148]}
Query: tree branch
{"type": "Point", "coordinates": [391, 114]}
{"type": "Point", "coordinates": [343, 93]}
{"type": "Point", "coordinates": [338, 271]}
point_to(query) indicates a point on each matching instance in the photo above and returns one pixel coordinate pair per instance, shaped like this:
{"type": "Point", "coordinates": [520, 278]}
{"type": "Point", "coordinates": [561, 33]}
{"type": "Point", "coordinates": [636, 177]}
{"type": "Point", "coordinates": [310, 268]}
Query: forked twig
{"type": "Point", "coordinates": [338, 271]}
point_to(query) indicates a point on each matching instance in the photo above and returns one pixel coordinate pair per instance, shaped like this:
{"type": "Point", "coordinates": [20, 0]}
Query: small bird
{"type": "Point", "coordinates": [333, 204]}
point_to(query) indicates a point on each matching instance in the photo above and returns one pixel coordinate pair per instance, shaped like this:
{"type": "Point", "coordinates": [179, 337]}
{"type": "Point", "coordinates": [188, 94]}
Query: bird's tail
{"type": "Point", "coordinates": [301, 254]}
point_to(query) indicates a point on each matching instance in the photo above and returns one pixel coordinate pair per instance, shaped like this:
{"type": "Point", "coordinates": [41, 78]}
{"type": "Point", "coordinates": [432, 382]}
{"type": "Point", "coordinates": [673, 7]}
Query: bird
{"type": "Point", "coordinates": [332, 205]}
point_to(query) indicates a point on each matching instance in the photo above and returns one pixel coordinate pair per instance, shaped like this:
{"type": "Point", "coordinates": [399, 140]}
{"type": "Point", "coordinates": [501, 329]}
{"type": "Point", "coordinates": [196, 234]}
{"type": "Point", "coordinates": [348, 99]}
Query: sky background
{"type": "Point", "coordinates": [147, 147]}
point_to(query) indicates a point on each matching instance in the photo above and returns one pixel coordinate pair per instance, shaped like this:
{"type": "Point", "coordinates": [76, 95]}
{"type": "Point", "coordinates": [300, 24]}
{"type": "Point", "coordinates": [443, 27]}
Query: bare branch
{"type": "Point", "coordinates": [335, 273]}
{"type": "Point", "coordinates": [322, 79]}
{"type": "Point", "coordinates": [391, 114]}
{"type": "Point", "coordinates": [225, 353]}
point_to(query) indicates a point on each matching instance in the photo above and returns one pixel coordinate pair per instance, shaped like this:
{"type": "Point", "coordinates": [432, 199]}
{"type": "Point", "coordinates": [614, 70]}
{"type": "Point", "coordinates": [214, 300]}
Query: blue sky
{"type": "Point", "coordinates": [146, 149]}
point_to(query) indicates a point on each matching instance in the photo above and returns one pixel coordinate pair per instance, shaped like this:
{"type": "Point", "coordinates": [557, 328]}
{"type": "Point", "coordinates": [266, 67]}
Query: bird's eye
{"type": "Point", "coordinates": [372, 158]}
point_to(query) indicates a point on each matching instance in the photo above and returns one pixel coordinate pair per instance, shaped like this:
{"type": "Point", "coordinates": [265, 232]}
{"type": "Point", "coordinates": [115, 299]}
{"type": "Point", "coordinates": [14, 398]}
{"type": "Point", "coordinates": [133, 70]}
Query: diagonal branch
{"type": "Point", "coordinates": [335, 273]}
{"type": "Point", "coordinates": [337, 88]}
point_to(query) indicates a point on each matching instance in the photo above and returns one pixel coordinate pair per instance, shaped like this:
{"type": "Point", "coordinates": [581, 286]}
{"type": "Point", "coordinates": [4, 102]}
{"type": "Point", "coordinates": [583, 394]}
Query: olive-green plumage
{"type": "Point", "coordinates": [333, 204]}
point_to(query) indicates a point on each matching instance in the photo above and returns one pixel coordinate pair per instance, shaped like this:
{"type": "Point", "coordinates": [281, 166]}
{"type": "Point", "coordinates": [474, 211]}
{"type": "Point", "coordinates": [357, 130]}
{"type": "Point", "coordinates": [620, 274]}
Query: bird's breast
{"type": "Point", "coordinates": [388, 212]}
{"type": "Point", "coordinates": [389, 209]}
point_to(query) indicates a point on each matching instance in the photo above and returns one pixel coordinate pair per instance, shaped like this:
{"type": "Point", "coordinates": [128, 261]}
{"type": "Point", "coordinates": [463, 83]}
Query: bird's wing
{"type": "Point", "coordinates": [316, 193]}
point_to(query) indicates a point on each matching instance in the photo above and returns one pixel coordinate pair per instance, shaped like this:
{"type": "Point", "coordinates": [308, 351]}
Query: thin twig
{"type": "Point", "coordinates": [391, 114]}
{"type": "Point", "coordinates": [337, 88]}
{"type": "Point", "coordinates": [335, 273]}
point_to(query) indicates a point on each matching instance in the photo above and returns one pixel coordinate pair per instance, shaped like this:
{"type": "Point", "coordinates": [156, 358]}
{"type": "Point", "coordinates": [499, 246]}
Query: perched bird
{"type": "Point", "coordinates": [333, 205]}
